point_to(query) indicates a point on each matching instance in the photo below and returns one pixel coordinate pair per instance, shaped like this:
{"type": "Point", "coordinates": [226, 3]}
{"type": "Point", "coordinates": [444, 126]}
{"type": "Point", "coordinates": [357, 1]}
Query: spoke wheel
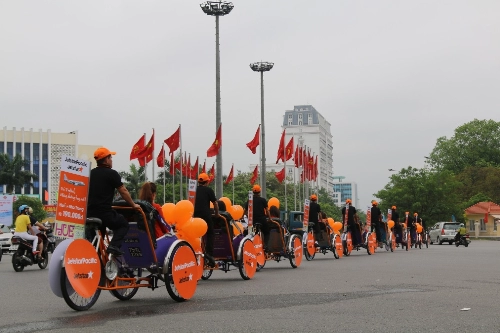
{"type": "Point", "coordinates": [16, 262]}
{"type": "Point", "coordinates": [75, 301]}
{"type": "Point", "coordinates": [207, 273]}
{"type": "Point", "coordinates": [126, 294]}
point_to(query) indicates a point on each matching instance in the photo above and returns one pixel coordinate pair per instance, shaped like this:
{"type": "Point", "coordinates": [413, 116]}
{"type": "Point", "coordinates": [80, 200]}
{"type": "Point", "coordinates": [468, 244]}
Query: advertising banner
{"type": "Point", "coordinates": [51, 213]}
{"type": "Point", "coordinates": [192, 190]}
{"type": "Point", "coordinates": [306, 214]}
{"type": "Point", "coordinates": [72, 198]}
{"type": "Point", "coordinates": [6, 201]}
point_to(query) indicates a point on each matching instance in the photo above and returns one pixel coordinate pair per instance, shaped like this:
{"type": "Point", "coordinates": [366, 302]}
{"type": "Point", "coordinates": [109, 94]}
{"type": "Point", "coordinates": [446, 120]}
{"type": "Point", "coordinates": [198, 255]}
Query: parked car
{"type": "Point", "coordinates": [443, 232]}
{"type": "Point", "coordinates": [5, 237]}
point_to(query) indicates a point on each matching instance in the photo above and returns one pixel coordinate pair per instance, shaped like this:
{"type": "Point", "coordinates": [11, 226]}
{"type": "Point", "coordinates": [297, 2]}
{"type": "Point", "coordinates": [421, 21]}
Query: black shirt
{"type": "Point", "coordinates": [375, 214]}
{"type": "Point", "coordinates": [395, 215]}
{"type": "Point", "coordinates": [33, 220]}
{"type": "Point", "coordinates": [314, 210]}
{"type": "Point", "coordinates": [204, 195]}
{"type": "Point", "coordinates": [102, 185]}
{"type": "Point", "coordinates": [350, 214]}
{"type": "Point", "coordinates": [259, 207]}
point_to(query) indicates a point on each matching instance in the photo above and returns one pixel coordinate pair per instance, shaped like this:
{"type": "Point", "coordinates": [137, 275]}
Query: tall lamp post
{"type": "Point", "coordinates": [262, 67]}
{"type": "Point", "coordinates": [217, 8]}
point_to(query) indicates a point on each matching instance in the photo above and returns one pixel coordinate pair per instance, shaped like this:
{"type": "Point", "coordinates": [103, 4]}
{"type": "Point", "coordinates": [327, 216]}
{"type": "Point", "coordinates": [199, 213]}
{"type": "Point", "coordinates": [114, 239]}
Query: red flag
{"type": "Point", "coordinates": [183, 165]}
{"type": "Point", "coordinates": [281, 148]}
{"type": "Point", "coordinates": [203, 170]}
{"type": "Point", "coordinates": [160, 160]}
{"type": "Point", "coordinates": [254, 177]}
{"type": "Point", "coordinates": [296, 158]}
{"type": "Point", "coordinates": [289, 150]}
{"type": "Point", "coordinates": [310, 159]}
{"type": "Point", "coordinates": [316, 168]}
{"type": "Point", "coordinates": [230, 176]}
{"type": "Point", "coordinates": [174, 141]}
{"type": "Point", "coordinates": [487, 214]}
{"type": "Point", "coordinates": [173, 165]}
{"type": "Point", "coordinates": [211, 174]}
{"type": "Point", "coordinates": [188, 167]}
{"type": "Point", "coordinates": [195, 169]}
{"type": "Point", "coordinates": [252, 145]}
{"type": "Point", "coordinates": [137, 147]}
{"type": "Point", "coordinates": [214, 148]}
{"type": "Point", "coordinates": [145, 155]}
{"type": "Point", "coordinates": [280, 175]}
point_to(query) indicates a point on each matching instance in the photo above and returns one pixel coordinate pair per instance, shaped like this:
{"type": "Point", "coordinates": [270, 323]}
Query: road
{"type": "Point", "coordinates": [415, 291]}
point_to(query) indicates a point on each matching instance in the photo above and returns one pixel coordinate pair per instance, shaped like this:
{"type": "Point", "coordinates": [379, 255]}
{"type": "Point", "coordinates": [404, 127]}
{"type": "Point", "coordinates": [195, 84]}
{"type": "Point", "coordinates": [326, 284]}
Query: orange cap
{"type": "Point", "coordinates": [393, 207]}
{"type": "Point", "coordinates": [203, 177]}
{"type": "Point", "coordinates": [348, 201]}
{"type": "Point", "coordinates": [314, 197]}
{"type": "Point", "coordinates": [415, 214]}
{"type": "Point", "coordinates": [256, 189]}
{"type": "Point", "coordinates": [374, 203]}
{"type": "Point", "coordinates": [102, 152]}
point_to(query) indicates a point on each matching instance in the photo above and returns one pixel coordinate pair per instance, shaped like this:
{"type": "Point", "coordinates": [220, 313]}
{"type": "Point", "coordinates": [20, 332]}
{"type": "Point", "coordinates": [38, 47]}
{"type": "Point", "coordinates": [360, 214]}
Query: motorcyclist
{"type": "Point", "coordinates": [37, 228]}
{"type": "Point", "coordinates": [23, 224]}
{"type": "Point", "coordinates": [460, 232]}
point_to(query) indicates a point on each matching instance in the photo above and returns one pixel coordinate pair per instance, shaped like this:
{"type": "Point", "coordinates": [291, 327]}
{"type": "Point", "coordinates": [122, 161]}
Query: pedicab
{"type": "Point", "coordinates": [281, 245]}
{"type": "Point", "coordinates": [406, 237]}
{"type": "Point", "coordinates": [418, 237]}
{"type": "Point", "coordinates": [80, 268]}
{"type": "Point", "coordinates": [231, 250]}
{"type": "Point", "coordinates": [368, 238]}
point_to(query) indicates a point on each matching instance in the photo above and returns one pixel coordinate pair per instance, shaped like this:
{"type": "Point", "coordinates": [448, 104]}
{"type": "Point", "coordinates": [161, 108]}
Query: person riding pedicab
{"type": "Point", "coordinates": [397, 229]}
{"type": "Point", "coordinates": [413, 227]}
{"type": "Point", "coordinates": [204, 196]}
{"type": "Point", "coordinates": [376, 222]}
{"type": "Point", "coordinates": [315, 215]}
{"type": "Point", "coordinates": [260, 213]}
{"type": "Point", "coordinates": [352, 223]}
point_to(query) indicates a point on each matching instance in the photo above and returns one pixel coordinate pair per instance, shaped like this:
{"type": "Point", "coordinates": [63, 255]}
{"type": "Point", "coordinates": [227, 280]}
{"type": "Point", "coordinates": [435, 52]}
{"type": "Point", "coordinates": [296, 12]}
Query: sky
{"type": "Point", "coordinates": [391, 77]}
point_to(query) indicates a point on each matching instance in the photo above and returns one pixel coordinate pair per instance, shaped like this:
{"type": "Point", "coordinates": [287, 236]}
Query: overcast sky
{"type": "Point", "coordinates": [390, 76]}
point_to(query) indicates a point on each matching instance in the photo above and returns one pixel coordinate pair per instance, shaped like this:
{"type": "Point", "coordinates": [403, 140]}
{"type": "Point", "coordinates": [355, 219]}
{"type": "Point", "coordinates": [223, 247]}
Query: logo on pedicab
{"type": "Point", "coordinates": [184, 266]}
{"type": "Point", "coordinates": [184, 271]}
{"type": "Point", "coordinates": [251, 255]}
{"type": "Point", "coordinates": [83, 269]}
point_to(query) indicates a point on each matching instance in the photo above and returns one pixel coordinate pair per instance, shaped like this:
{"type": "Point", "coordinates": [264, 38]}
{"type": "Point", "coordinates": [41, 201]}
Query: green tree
{"type": "Point", "coordinates": [434, 195]}
{"type": "Point", "coordinates": [479, 180]}
{"type": "Point", "coordinates": [476, 143]}
{"type": "Point", "coordinates": [38, 212]}
{"type": "Point", "coordinates": [12, 173]}
{"type": "Point", "coordinates": [133, 180]}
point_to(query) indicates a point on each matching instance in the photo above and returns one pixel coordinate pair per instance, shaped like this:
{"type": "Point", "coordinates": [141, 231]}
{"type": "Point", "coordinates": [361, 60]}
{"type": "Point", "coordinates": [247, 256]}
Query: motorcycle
{"type": "Point", "coordinates": [51, 240]}
{"type": "Point", "coordinates": [23, 255]}
{"type": "Point", "coordinates": [464, 240]}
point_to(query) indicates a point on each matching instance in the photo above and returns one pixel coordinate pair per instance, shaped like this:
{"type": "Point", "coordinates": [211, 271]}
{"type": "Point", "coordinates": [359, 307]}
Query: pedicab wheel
{"type": "Point", "coordinates": [420, 245]}
{"type": "Point", "coordinates": [75, 301]}
{"type": "Point", "coordinates": [427, 243]}
{"type": "Point", "coordinates": [45, 261]}
{"type": "Point", "coordinates": [295, 251]}
{"type": "Point", "coordinates": [207, 273]}
{"type": "Point", "coordinates": [126, 294]}
{"type": "Point", "coordinates": [259, 267]}
{"type": "Point", "coordinates": [247, 265]}
{"type": "Point", "coordinates": [184, 257]}
{"type": "Point", "coordinates": [332, 247]}
{"type": "Point", "coordinates": [16, 263]}
{"type": "Point", "coordinates": [346, 250]}
{"type": "Point", "coordinates": [308, 256]}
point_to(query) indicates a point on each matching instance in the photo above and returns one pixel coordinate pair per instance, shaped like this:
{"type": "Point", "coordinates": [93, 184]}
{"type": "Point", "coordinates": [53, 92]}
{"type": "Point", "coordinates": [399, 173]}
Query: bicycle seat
{"type": "Point", "coordinates": [93, 223]}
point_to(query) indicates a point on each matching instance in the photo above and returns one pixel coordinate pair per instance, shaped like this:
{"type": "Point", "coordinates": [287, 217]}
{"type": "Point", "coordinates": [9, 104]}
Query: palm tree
{"type": "Point", "coordinates": [12, 173]}
{"type": "Point", "coordinates": [133, 180]}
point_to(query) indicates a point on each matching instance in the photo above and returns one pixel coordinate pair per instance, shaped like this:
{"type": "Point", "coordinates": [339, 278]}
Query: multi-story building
{"type": "Point", "coordinates": [43, 151]}
{"type": "Point", "coordinates": [311, 130]}
{"type": "Point", "coordinates": [343, 191]}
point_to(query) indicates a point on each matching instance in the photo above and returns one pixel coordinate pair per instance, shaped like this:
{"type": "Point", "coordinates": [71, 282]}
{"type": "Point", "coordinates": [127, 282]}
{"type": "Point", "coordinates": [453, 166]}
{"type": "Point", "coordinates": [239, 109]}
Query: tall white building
{"type": "Point", "coordinates": [312, 131]}
{"type": "Point", "coordinates": [42, 151]}
{"type": "Point", "coordinates": [343, 191]}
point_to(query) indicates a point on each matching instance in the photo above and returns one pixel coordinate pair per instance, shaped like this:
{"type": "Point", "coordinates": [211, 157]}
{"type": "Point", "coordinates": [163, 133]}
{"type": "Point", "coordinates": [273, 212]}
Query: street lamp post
{"type": "Point", "coordinates": [262, 67]}
{"type": "Point", "coordinates": [217, 8]}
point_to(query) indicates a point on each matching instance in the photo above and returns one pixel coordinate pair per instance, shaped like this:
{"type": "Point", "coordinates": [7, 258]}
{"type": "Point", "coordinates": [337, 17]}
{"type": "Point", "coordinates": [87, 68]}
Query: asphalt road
{"type": "Point", "coordinates": [415, 291]}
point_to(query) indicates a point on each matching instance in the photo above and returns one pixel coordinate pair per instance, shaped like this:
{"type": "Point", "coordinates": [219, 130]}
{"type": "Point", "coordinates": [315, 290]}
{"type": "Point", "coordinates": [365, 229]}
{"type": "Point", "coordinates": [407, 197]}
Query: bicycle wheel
{"type": "Point", "coordinates": [207, 273]}
{"type": "Point", "coordinates": [333, 248]}
{"type": "Point", "coordinates": [75, 301]}
{"type": "Point", "coordinates": [294, 251]}
{"type": "Point", "coordinates": [247, 264]}
{"type": "Point", "coordinates": [180, 279]}
{"type": "Point", "coordinates": [126, 294]}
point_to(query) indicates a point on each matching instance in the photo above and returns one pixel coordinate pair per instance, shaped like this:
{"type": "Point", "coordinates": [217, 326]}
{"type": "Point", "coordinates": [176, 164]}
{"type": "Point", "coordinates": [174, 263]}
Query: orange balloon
{"type": "Point", "coordinates": [168, 212]}
{"type": "Point", "coordinates": [419, 228]}
{"type": "Point", "coordinates": [211, 204]}
{"type": "Point", "coordinates": [337, 226]}
{"type": "Point", "coordinates": [198, 227]}
{"type": "Point", "coordinates": [196, 244]}
{"type": "Point", "coordinates": [274, 202]}
{"type": "Point", "coordinates": [390, 224]}
{"type": "Point", "coordinates": [183, 211]}
{"type": "Point", "coordinates": [227, 201]}
{"type": "Point", "coordinates": [236, 231]}
{"type": "Point", "coordinates": [237, 212]}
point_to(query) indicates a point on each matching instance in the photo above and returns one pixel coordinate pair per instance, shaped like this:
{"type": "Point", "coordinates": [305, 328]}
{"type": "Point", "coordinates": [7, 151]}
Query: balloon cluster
{"type": "Point", "coordinates": [390, 224]}
{"type": "Point", "coordinates": [187, 227]}
{"type": "Point", "coordinates": [419, 227]}
{"type": "Point", "coordinates": [274, 202]}
{"type": "Point", "coordinates": [336, 226]}
{"type": "Point", "coordinates": [236, 213]}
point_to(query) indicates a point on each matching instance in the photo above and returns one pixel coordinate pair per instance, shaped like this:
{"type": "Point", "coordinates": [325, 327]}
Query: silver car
{"type": "Point", "coordinates": [443, 232]}
{"type": "Point", "coordinates": [5, 237]}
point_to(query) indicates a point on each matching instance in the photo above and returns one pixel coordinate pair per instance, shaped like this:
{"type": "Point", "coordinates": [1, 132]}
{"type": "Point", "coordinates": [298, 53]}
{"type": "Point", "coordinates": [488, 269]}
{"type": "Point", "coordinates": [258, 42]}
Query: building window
{"type": "Point", "coordinates": [300, 115]}
{"type": "Point", "coordinates": [290, 116]}
{"type": "Point", "coordinates": [300, 122]}
{"type": "Point", "coordinates": [495, 223]}
{"type": "Point", "coordinates": [290, 123]}
{"type": "Point", "coordinates": [471, 225]}
{"type": "Point", "coordinates": [483, 225]}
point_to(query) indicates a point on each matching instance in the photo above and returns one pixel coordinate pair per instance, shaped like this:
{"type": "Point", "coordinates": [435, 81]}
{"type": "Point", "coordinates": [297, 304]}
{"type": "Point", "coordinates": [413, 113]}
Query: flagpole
{"type": "Point", "coordinates": [260, 156]}
{"type": "Point", "coordinates": [145, 166]}
{"type": "Point", "coordinates": [153, 154]}
{"type": "Point", "coordinates": [180, 160]}
{"type": "Point", "coordinates": [294, 170]}
{"type": "Point", "coordinates": [187, 179]}
{"type": "Point", "coordinates": [232, 168]}
{"type": "Point", "coordinates": [164, 173]}
{"type": "Point", "coordinates": [172, 165]}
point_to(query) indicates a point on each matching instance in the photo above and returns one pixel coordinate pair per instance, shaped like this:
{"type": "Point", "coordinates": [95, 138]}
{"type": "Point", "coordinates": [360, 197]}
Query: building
{"type": "Point", "coordinates": [343, 191]}
{"type": "Point", "coordinates": [43, 151]}
{"type": "Point", "coordinates": [482, 219]}
{"type": "Point", "coordinates": [312, 131]}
